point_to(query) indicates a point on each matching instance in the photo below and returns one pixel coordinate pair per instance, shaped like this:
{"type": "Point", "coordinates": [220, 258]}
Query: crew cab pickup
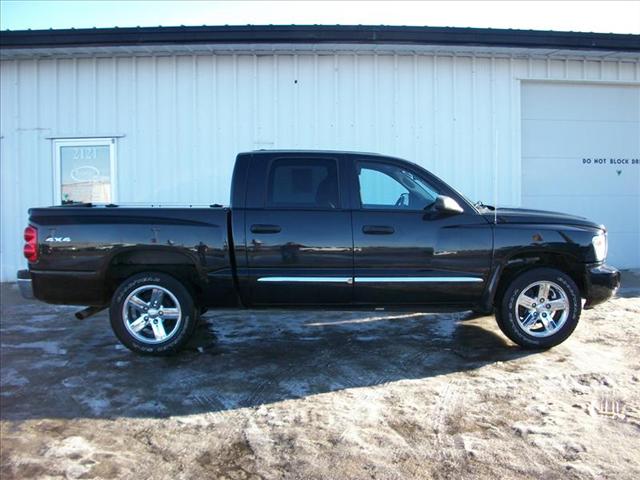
{"type": "Point", "coordinates": [319, 230]}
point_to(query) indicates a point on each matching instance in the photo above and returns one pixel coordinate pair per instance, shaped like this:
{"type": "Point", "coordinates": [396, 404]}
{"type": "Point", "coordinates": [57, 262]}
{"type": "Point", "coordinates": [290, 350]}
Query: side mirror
{"type": "Point", "coordinates": [448, 205]}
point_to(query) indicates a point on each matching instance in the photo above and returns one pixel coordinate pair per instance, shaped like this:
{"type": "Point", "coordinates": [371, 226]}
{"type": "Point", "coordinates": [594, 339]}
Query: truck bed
{"type": "Point", "coordinates": [80, 244]}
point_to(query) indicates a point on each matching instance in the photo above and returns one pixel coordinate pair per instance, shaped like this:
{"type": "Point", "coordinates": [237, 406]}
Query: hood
{"type": "Point", "coordinates": [523, 215]}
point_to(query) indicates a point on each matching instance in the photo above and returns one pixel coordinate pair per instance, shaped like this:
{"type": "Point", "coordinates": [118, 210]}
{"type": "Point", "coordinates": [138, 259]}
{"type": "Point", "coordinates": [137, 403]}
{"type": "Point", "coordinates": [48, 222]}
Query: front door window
{"type": "Point", "coordinates": [384, 186]}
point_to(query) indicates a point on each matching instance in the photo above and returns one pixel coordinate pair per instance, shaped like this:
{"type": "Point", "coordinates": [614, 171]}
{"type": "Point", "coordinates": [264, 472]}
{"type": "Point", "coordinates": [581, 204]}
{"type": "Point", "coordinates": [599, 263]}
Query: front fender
{"type": "Point", "coordinates": [517, 246]}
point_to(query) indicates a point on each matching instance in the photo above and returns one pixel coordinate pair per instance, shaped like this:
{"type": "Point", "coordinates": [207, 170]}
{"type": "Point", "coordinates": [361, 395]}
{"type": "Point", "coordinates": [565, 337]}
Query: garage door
{"type": "Point", "coordinates": [581, 155]}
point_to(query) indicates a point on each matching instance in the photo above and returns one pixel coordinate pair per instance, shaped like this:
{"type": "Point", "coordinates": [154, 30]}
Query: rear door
{"type": "Point", "coordinates": [405, 253]}
{"type": "Point", "coordinates": [299, 241]}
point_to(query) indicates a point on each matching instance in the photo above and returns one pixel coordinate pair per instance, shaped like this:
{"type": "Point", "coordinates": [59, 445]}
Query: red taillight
{"type": "Point", "coordinates": [30, 249]}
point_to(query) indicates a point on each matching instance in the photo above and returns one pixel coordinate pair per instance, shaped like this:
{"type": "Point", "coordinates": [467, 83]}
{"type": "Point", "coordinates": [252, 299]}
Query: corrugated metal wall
{"type": "Point", "coordinates": [183, 118]}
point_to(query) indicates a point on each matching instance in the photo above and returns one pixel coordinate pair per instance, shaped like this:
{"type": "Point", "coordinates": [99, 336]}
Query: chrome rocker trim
{"type": "Point", "coordinates": [350, 280]}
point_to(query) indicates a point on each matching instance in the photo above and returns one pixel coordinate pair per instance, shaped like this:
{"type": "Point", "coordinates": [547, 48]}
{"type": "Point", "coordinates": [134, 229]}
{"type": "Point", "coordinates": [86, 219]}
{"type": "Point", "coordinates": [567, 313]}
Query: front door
{"type": "Point", "coordinates": [405, 252]}
{"type": "Point", "coordinates": [299, 246]}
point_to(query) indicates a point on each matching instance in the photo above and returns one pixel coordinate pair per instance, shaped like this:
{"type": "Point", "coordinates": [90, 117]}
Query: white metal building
{"type": "Point", "coordinates": [156, 115]}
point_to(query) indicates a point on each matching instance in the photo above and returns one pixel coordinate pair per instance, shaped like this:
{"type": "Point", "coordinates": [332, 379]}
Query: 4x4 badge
{"type": "Point", "coordinates": [57, 239]}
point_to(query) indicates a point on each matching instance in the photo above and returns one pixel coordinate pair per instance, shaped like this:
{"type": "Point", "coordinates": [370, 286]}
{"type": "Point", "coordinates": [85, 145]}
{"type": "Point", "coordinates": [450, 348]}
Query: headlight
{"type": "Point", "coordinates": [599, 243]}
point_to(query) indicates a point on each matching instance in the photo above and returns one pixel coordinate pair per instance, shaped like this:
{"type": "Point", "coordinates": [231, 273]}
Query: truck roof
{"type": "Point", "coordinates": [312, 152]}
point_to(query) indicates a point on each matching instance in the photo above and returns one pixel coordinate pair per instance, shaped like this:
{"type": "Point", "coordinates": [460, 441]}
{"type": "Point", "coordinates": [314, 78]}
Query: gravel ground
{"type": "Point", "coordinates": [322, 395]}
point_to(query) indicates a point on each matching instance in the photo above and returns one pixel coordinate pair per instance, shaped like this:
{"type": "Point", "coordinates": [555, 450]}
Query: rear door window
{"type": "Point", "coordinates": [303, 183]}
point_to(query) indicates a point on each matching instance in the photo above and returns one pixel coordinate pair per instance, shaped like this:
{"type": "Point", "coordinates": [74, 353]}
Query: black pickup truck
{"type": "Point", "coordinates": [319, 230]}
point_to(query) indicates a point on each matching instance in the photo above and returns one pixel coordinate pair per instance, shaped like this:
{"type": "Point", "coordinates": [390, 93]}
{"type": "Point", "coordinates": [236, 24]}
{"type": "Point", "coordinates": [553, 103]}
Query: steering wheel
{"type": "Point", "coordinates": [401, 200]}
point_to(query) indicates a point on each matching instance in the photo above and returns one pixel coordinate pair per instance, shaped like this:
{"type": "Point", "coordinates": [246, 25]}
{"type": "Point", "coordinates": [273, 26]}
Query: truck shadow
{"type": "Point", "coordinates": [56, 367]}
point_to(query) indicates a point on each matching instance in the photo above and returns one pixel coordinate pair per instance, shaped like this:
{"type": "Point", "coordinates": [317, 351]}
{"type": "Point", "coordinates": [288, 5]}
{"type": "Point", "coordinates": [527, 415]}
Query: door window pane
{"type": "Point", "coordinates": [85, 174]}
{"type": "Point", "coordinates": [304, 183]}
{"type": "Point", "coordinates": [377, 188]}
{"type": "Point", "coordinates": [388, 186]}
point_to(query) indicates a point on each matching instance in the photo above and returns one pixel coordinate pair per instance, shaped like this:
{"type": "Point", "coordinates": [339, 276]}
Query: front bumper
{"type": "Point", "coordinates": [601, 283]}
{"type": "Point", "coordinates": [24, 284]}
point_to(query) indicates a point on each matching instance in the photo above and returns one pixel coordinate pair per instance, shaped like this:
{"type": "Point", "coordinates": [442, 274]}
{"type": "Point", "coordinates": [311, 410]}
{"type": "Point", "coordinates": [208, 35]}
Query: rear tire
{"type": "Point", "coordinates": [533, 324]}
{"type": "Point", "coordinates": [153, 314]}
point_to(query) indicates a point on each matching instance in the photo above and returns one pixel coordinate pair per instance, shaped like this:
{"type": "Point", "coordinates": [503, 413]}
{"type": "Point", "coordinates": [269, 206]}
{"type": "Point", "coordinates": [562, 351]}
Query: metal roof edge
{"type": "Point", "coordinates": [318, 34]}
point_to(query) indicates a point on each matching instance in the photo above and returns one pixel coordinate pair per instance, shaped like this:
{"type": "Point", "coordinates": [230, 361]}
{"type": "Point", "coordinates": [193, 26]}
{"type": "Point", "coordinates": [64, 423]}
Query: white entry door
{"type": "Point", "coordinates": [84, 170]}
{"type": "Point", "coordinates": [581, 155]}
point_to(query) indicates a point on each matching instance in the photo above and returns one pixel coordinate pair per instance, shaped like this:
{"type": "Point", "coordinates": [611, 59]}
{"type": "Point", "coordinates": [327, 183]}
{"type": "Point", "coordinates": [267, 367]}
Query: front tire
{"type": "Point", "coordinates": [540, 309]}
{"type": "Point", "coordinates": [153, 314]}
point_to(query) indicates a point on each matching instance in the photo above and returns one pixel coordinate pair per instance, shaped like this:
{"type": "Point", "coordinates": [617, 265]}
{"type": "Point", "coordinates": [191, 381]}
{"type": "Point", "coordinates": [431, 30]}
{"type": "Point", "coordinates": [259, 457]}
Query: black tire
{"type": "Point", "coordinates": [181, 328]}
{"type": "Point", "coordinates": [509, 322]}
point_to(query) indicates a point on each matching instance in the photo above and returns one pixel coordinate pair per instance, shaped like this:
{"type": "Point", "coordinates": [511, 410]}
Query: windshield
{"type": "Point", "coordinates": [479, 205]}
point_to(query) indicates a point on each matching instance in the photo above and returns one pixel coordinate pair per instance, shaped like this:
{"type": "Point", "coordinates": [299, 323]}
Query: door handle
{"type": "Point", "coordinates": [377, 230]}
{"type": "Point", "coordinates": [258, 228]}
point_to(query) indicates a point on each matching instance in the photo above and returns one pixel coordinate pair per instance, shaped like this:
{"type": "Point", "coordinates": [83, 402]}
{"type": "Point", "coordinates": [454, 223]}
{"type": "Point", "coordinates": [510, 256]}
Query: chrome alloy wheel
{"type": "Point", "coordinates": [542, 308]}
{"type": "Point", "coordinates": [152, 314]}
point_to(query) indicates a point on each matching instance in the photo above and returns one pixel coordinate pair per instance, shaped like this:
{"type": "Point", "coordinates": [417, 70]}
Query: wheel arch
{"type": "Point", "coordinates": [521, 262]}
{"type": "Point", "coordinates": [131, 261]}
